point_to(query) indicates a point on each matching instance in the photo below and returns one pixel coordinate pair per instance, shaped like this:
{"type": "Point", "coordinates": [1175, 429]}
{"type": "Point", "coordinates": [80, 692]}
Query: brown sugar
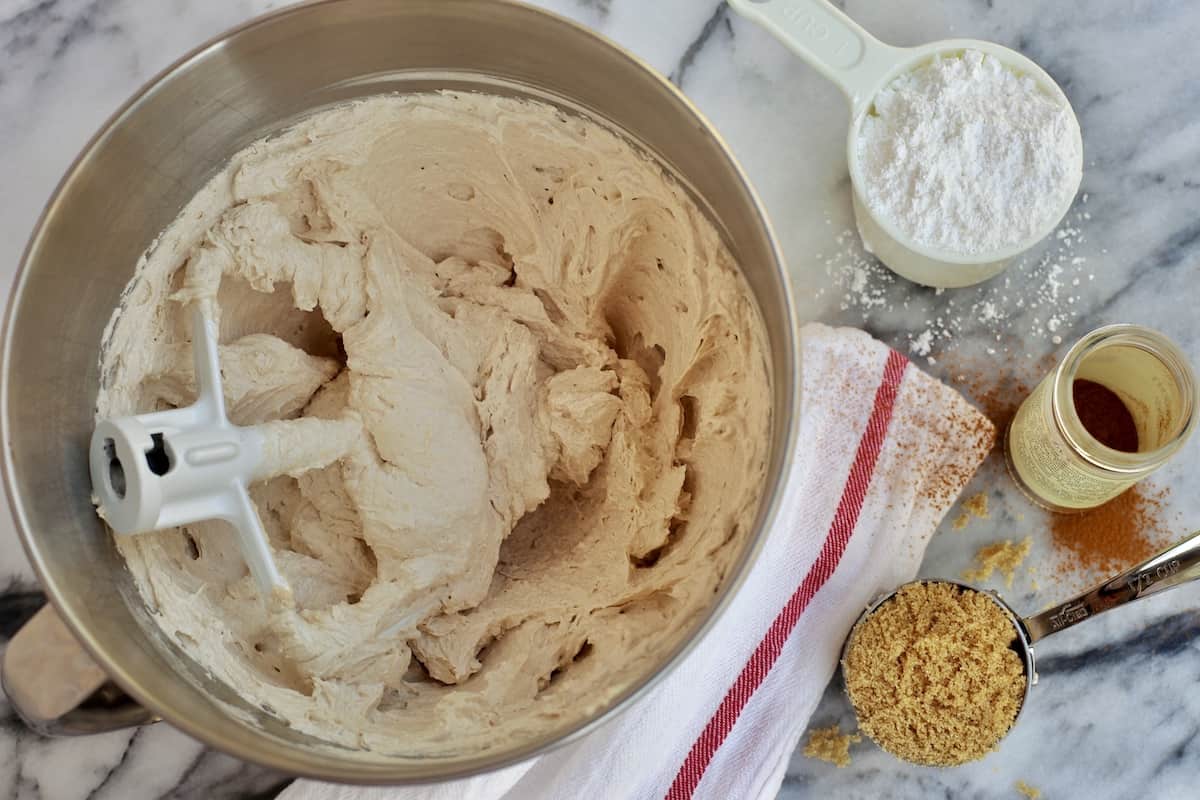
{"type": "Point", "coordinates": [932, 674]}
{"type": "Point", "coordinates": [977, 505]}
{"type": "Point", "coordinates": [974, 506]}
{"type": "Point", "coordinates": [1104, 415]}
{"type": "Point", "coordinates": [1004, 557]}
{"type": "Point", "coordinates": [1027, 790]}
{"type": "Point", "coordinates": [830, 744]}
{"type": "Point", "coordinates": [1107, 539]}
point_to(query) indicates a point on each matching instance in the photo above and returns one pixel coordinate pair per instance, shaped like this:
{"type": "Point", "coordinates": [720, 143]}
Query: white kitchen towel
{"type": "Point", "coordinates": [883, 452]}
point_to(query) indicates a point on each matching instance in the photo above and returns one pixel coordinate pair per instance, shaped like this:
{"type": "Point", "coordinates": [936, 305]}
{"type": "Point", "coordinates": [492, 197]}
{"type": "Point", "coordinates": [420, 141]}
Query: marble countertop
{"type": "Point", "coordinates": [1115, 713]}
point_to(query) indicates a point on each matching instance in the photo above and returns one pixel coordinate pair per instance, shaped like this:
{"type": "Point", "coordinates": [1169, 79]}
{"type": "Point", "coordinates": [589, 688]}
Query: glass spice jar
{"type": "Point", "coordinates": [1120, 403]}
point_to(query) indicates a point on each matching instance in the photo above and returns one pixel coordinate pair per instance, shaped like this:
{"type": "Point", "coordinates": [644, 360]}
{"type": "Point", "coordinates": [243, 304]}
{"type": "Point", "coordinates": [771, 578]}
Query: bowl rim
{"type": "Point", "coordinates": [785, 420]}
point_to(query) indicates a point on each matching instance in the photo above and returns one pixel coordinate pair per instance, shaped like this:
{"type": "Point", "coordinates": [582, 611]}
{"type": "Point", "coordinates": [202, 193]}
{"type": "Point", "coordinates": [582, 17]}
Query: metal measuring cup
{"type": "Point", "coordinates": [1174, 566]}
{"type": "Point", "coordinates": [861, 66]}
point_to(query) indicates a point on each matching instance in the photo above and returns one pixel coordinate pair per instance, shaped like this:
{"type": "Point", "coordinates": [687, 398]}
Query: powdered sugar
{"type": "Point", "coordinates": [966, 156]}
{"type": "Point", "coordinates": [1038, 299]}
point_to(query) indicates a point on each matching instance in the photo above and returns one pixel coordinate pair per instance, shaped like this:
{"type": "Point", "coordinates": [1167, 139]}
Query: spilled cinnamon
{"type": "Point", "coordinates": [1129, 528]}
{"type": "Point", "coordinates": [1112, 537]}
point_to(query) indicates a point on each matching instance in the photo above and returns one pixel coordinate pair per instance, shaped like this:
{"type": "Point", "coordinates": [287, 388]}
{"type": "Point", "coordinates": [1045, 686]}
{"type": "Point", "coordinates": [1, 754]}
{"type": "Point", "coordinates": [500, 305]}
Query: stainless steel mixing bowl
{"type": "Point", "coordinates": [129, 183]}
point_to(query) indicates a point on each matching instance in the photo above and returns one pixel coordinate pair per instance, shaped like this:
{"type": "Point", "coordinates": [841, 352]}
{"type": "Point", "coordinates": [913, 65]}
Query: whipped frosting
{"type": "Point", "coordinates": [541, 388]}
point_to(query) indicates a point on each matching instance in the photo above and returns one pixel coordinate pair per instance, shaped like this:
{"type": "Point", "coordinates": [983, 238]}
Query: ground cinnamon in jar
{"type": "Point", "coordinates": [1104, 415]}
{"type": "Point", "coordinates": [1104, 540]}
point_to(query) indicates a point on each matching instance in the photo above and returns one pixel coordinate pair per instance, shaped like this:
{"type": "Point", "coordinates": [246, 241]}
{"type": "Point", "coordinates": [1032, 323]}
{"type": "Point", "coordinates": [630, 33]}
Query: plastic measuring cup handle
{"type": "Point", "coordinates": [829, 41]}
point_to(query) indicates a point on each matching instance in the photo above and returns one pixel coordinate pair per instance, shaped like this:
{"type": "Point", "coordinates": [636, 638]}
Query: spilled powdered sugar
{"type": "Point", "coordinates": [1036, 299]}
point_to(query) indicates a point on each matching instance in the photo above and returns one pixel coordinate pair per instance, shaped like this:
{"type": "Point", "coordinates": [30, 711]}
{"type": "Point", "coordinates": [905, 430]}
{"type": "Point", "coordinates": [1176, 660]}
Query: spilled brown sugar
{"type": "Point", "coordinates": [932, 674]}
{"type": "Point", "coordinates": [830, 744]}
{"type": "Point", "coordinates": [1027, 790]}
{"type": "Point", "coordinates": [1003, 557]}
{"type": "Point", "coordinates": [974, 506]}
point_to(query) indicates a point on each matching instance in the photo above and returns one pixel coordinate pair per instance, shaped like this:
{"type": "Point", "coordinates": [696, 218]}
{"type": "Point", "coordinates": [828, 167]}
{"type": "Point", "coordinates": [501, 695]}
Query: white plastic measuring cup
{"type": "Point", "coordinates": [861, 66]}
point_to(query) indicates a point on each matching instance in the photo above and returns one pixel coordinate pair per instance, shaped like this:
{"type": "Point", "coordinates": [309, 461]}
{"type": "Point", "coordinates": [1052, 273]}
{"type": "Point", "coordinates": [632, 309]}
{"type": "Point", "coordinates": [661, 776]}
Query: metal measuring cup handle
{"type": "Point", "coordinates": [1175, 566]}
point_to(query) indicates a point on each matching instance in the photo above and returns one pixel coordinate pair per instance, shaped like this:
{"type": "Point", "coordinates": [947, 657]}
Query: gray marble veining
{"type": "Point", "coordinates": [1114, 714]}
